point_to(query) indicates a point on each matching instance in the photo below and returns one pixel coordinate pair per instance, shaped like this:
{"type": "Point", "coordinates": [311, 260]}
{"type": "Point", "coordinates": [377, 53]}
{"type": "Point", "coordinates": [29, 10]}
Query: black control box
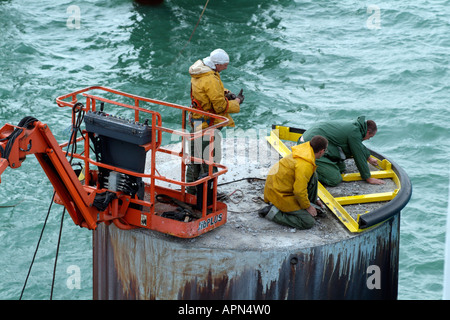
{"type": "Point", "coordinates": [117, 128]}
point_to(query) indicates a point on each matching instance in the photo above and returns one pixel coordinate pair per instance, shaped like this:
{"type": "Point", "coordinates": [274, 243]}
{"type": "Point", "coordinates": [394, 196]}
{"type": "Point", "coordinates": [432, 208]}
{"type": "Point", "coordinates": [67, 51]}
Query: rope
{"type": "Point", "coordinates": [248, 179]}
{"type": "Point", "coordinates": [11, 205]}
{"type": "Point", "coordinates": [37, 247]}
{"type": "Point", "coordinates": [195, 28]}
{"type": "Point", "coordinates": [77, 108]}
{"type": "Point", "coordinates": [57, 253]}
{"type": "Point", "coordinates": [229, 196]}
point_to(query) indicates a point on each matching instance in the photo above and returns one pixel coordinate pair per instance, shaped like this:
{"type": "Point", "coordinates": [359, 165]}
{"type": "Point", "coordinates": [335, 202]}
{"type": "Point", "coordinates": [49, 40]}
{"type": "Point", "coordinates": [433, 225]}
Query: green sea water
{"type": "Point", "coordinates": [298, 62]}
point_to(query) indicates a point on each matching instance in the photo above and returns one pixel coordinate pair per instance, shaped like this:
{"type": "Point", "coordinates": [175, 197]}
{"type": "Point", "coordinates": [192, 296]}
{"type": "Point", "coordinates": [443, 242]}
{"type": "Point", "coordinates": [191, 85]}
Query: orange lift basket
{"type": "Point", "coordinates": [111, 187]}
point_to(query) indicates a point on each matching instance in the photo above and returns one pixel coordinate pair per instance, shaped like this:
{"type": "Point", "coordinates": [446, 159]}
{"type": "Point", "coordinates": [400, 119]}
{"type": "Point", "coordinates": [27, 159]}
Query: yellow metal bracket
{"type": "Point", "coordinates": [337, 209]}
{"type": "Point", "coordinates": [280, 133]}
{"type": "Point", "coordinates": [278, 145]}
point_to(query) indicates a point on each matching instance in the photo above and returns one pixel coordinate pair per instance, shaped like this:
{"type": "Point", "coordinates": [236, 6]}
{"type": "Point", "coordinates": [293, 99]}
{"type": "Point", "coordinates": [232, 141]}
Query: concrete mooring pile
{"type": "Point", "coordinates": [250, 257]}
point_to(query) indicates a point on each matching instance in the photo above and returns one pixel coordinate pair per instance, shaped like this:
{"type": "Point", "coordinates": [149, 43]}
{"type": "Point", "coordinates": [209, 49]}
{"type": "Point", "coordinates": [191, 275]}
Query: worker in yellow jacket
{"type": "Point", "coordinates": [208, 94]}
{"type": "Point", "coordinates": [291, 186]}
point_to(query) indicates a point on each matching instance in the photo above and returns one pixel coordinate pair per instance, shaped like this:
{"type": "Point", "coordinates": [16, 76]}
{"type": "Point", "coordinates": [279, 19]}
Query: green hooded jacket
{"type": "Point", "coordinates": [348, 135]}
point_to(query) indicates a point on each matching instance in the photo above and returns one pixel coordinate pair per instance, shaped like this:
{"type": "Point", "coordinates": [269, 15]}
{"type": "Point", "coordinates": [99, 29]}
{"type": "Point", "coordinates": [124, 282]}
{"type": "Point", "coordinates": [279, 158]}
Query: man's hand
{"type": "Point", "coordinates": [312, 211]}
{"type": "Point", "coordinates": [320, 203]}
{"type": "Point", "coordinates": [375, 181]}
{"type": "Point", "coordinates": [230, 95]}
{"type": "Point", "coordinates": [373, 161]}
{"type": "Point", "coordinates": [240, 96]}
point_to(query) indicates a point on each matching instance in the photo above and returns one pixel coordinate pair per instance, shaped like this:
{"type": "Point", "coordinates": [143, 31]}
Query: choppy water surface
{"type": "Point", "coordinates": [298, 61]}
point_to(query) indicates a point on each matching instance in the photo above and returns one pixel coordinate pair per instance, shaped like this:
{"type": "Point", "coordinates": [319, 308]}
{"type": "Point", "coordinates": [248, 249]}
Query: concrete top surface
{"type": "Point", "coordinates": [248, 161]}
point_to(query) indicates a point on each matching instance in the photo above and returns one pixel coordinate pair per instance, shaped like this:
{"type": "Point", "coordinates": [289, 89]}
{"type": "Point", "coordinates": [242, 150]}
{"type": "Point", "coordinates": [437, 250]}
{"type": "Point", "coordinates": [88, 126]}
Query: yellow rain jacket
{"type": "Point", "coordinates": [287, 181]}
{"type": "Point", "coordinates": [207, 89]}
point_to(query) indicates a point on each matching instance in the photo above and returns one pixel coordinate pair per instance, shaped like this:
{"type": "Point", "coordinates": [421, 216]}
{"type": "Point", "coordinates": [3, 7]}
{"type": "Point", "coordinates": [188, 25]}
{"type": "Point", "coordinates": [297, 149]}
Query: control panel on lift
{"type": "Point", "coordinates": [118, 128]}
{"type": "Point", "coordinates": [118, 142]}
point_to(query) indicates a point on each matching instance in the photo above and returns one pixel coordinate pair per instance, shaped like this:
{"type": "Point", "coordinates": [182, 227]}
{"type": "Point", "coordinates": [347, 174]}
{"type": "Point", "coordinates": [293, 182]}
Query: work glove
{"type": "Point", "coordinates": [230, 95]}
{"type": "Point", "coordinates": [240, 95]}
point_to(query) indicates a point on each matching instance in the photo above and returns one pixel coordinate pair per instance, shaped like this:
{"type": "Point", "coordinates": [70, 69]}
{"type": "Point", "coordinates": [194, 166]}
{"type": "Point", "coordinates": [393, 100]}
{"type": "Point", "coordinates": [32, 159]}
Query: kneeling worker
{"type": "Point", "coordinates": [345, 141]}
{"type": "Point", "coordinates": [291, 186]}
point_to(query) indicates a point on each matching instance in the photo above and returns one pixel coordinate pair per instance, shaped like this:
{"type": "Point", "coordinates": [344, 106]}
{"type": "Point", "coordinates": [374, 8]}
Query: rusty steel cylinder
{"type": "Point", "coordinates": [143, 264]}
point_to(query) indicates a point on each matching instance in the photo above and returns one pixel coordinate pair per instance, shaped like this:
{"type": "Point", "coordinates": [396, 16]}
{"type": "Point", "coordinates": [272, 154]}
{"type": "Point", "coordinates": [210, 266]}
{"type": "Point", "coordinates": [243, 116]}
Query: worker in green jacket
{"type": "Point", "coordinates": [345, 140]}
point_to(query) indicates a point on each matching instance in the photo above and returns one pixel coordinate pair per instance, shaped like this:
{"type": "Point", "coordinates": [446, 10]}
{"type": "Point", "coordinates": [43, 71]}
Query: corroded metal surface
{"type": "Point", "coordinates": [146, 265]}
{"type": "Point", "coordinates": [249, 257]}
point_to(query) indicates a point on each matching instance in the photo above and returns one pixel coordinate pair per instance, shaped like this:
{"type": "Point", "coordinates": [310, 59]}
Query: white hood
{"type": "Point", "coordinates": [198, 68]}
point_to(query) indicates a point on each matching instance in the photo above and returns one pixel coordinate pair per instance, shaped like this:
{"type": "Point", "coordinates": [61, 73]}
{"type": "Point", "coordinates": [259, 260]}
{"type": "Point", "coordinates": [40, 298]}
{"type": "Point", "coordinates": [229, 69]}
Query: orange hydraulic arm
{"type": "Point", "coordinates": [114, 189]}
{"type": "Point", "coordinates": [34, 137]}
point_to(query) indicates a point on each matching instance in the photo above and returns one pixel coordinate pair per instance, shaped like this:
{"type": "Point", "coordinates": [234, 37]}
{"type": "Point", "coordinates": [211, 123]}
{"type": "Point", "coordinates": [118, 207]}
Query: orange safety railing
{"type": "Point", "coordinates": [91, 96]}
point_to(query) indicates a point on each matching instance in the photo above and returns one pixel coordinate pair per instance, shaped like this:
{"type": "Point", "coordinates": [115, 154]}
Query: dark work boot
{"type": "Point", "coordinates": [263, 212]}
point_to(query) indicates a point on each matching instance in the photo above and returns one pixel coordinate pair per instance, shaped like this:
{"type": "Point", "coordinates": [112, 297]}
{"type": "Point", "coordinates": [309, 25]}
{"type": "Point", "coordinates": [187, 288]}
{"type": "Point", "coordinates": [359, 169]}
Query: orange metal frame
{"type": "Point", "coordinates": [78, 196]}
